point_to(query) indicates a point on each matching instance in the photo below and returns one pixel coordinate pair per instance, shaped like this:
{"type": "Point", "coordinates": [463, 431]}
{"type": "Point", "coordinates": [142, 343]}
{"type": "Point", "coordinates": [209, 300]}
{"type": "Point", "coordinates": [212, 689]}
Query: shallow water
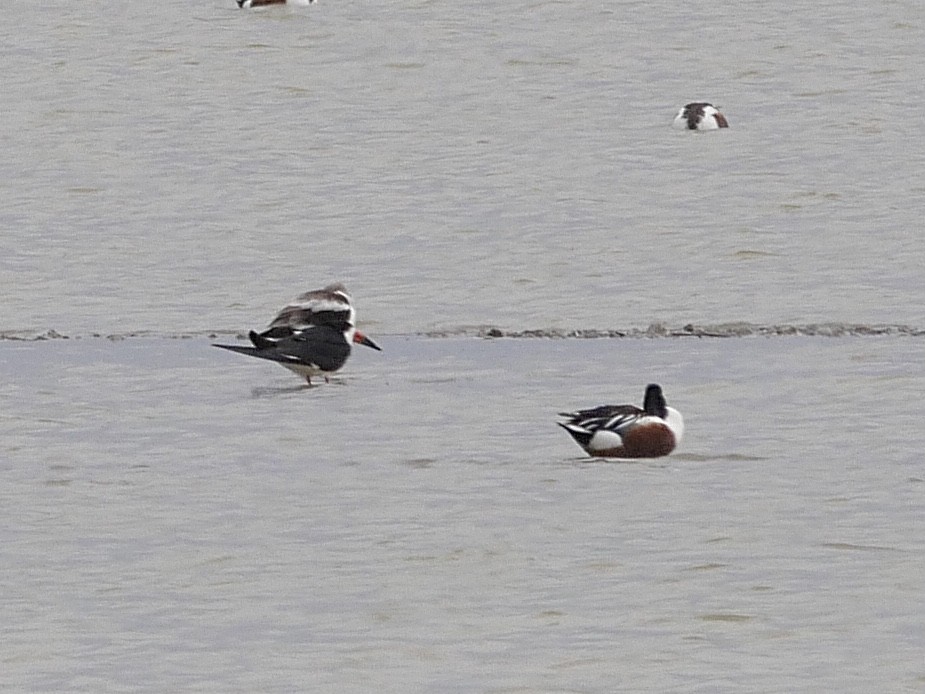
{"type": "Point", "coordinates": [183, 518]}
{"type": "Point", "coordinates": [180, 519]}
{"type": "Point", "coordinates": [176, 168]}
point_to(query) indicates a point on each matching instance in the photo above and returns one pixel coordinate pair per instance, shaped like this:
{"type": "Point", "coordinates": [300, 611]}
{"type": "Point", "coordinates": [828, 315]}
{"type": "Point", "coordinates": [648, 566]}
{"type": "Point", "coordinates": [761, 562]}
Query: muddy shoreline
{"type": "Point", "coordinates": [654, 330]}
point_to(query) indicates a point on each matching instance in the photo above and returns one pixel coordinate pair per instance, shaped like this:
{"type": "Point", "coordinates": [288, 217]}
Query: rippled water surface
{"type": "Point", "coordinates": [178, 167]}
{"type": "Point", "coordinates": [182, 518]}
{"type": "Point", "coordinates": [176, 518]}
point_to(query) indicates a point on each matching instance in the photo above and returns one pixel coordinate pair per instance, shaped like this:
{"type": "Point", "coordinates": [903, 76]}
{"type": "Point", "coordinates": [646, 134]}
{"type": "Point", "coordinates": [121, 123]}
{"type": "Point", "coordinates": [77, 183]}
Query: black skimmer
{"type": "Point", "coordinates": [625, 431]}
{"type": "Point", "coordinates": [310, 336]}
{"type": "Point", "coordinates": [700, 116]}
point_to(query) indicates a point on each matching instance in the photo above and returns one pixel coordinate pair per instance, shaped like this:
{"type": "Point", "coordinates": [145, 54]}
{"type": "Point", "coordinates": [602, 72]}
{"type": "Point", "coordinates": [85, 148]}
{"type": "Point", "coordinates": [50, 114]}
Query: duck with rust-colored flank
{"type": "Point", "coordinates": [626, 431]}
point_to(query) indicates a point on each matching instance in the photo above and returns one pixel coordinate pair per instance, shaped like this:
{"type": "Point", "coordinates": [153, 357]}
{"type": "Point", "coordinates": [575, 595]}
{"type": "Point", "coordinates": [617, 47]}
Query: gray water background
{"type": "Point", "coordinates": [180, 519]}
{"type": "Point", "coordinates": [184, 167]}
